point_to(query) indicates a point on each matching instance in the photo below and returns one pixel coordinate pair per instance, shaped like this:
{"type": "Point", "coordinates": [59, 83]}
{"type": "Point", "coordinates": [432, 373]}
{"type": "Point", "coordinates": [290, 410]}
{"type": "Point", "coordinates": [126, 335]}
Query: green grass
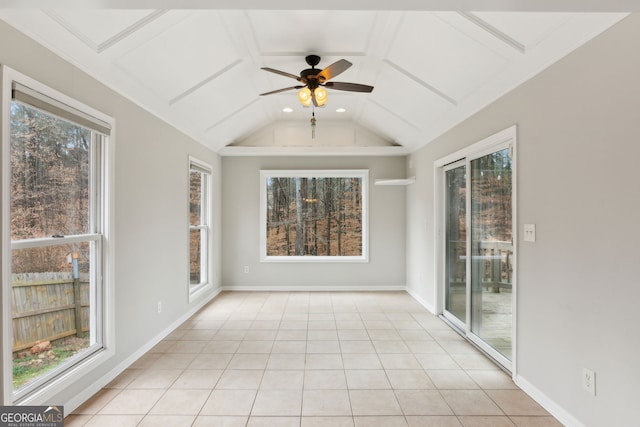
{"type": "Point", "coordinates": [25, 369]}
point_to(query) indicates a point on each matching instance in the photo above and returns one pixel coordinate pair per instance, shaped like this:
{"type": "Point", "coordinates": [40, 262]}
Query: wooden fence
{"type": "Point", "coordinates": [47, 307]}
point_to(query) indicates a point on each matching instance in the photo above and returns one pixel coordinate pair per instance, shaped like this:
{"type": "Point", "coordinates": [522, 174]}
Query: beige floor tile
{"type": "Point", "coordinates": [516, 402]}
{"type": "Point", "coordinates": [425, 347]}
{"type": "Point", "coordinates": [274, 422]}
{"type": "Point", "coordinates": [77, 420]}
{"type": "Point", "coordinates": [399, 361]}
{"type": "Point", "coordinates": [248, 361]}
{"type": "Point", "coordinates": [326, 422]}
{"type": "Point", "coordinates": [323, 361]}
{"type": "Point", "coordinates": [321, 324]}
{"type": "Point", "coordinates": [458, 347]}
{"type": "Point", "coordinates": [210, 361]}
{"type": "Point", "coordinates": [390, 346]}
{"type": "Point", "coordinates": [474, 361]}
{"type": "Point", "coordinates": [323, 347]}
{"type": "Point", "coordinates": [361, 361]}
{"type": "Point", "coordinates": [240, 379]}
{"type": "Point", "coordinates": [286, 361]}
{"type": "Point", "coordinates": [353, 335]}
{"type": "Point", "coordinates": [470, 402]}
{"type": "Point", "coordinates": [278, 403]}
{"type": "Point", "coordinates": [155, 378]}
{"type": "Point", "coordinates": [180, 402]}
{"type": "Point", "coordinates": [422, 402]}
{"type": "Point", "coordinates": [374, 402]}
{"type": "Point", "coordinates": [255, 347]}
{"type": "Point", "coordinates": [322, 335]}
{"type": "Point", "coordinates": [436, 361]}
{"type": "Point", "coordinates": [443, 333]}
{"type": "Point", "coordinates": [291, 335]}
{"type": "Point", "coordinates": [356, 347]}
{"type": "Point", "coordinates": [173, 361]}
{"type": "Point", "coordinates": [349, 324]}
{"type": "Point", "coordinates": [162, 347]}
{"type": "Point", "coordinates": [484, 421]}
{"type": "Point", "coordinates": [452, 379]}
{"type": "Point", "coordinates": [97, 401]}
{"type": "Point", "coordinates": [367, 379]}
{"type": "Point", "coordinates": [492, 379]}
{"type": "Point", "coordinates": [265, 325]}
{"type": "Point", "coordinates": [325, 403]}
{"type": "Point", "coordinates": [294, 325]}
{"type": "Point", "coordinates": [221, 346]}
{"type": "Point", "coordinates": [415, 335]}
{"type": "Point", "coordinates": [282, 380]}
{"type": "Point", "coordinates": [219, 421]}
{"type": "Point", "coordinates": [378, 324]}
{"type": "Point", "coordinates": [114, 420]}
{"type": "Point", "coordinates": [433, 421]}
{"type": "Point", "coordinates": [324, 379]}
{"type": "Point", "coordinates": [125, 378]}
{"type": "Point", "coordinates": [380, 421]}
{"type": "Point", "coordinates": [132, 401]}
{"type": "Point", "coordinates": [167, 421]}
{"type": "Point", "coordinates": [229, 402]}
{"type": "Point", "coordinates": [409, 379]}
{"type": "Point", "coordinates": [199, 335]}
{"type": "Point", "coordinates": [289, 347]}
{"type": "Point", "coordinates": [536, 422]}
{"type": "Point", "coordinates": [230, 335]}
{"type": "Point", "coordinates": [145, 361]}
{"type": "Point", "coordinates": [384, 334]}
{"type": "Point", "coordinates": [242, 325]}
{"type": "Point", "coordinates": [197, 379]}
{"type": "Point", "coordinates": [261, 335]}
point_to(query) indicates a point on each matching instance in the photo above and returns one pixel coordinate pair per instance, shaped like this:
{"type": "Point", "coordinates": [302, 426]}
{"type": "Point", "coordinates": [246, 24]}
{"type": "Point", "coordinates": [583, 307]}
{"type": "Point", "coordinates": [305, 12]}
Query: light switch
{"type": "Point", "coordinates": [529, 232]}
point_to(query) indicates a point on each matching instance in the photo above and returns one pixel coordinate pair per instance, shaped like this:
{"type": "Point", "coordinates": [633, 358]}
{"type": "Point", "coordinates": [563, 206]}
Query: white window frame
{"type": "Point", "coordinates": [51, 386]}
{"type": "Point", "coordinates": [363, 174]}
{"type": "Point", "coordinates": [204, 227]}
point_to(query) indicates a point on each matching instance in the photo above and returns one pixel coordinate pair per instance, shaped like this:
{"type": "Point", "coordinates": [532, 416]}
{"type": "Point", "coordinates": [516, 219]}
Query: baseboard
{"type": "Point", "coordinates": [547, 403]}
{"type": "Point", "coordinates": [429, 307]}
{"type": "Point", "coordinates": [312, 288]}
{"type": "Point", "coordinates": [98, 385]}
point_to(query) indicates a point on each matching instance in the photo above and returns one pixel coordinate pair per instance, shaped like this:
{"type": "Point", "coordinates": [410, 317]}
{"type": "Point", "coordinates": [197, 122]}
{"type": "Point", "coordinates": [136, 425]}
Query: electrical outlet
{"type": "Point", "coordinates": [246, 269]}
{"type": "Point", "coordinates": [589, 381]}
{"type": "Point", "coordinates": [159, 307]}
{"type": "Point", "coordinates": [529, 232]}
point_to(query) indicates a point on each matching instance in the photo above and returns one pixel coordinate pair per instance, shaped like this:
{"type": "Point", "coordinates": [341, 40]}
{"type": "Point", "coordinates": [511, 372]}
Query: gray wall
{"type": "Point", "coordinates": [241, 238]}
{"type": "Point", "coordinates": [578, 287]}
{"type": "Point", "coordinates": [151, 197]}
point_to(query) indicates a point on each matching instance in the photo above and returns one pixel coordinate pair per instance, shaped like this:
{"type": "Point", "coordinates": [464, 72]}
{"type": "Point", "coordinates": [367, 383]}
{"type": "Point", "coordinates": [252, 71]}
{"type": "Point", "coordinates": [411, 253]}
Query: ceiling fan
{"type": "Point", "coordinates": [314, 81]}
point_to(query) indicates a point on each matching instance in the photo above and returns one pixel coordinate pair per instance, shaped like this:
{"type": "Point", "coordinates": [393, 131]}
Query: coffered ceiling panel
{"type": "Point", "coordinates": [99, 28]}
{"type": "Point", "coordinates": [182, 57]}
{"type": "Point", "coordinates": [527, 28]}
{"type": "Point", "coordinates": [311, 31]}
{"type": "Point", "coordinates": [199, 69]}
{"type": "Point", "coordinates": [454, 68]}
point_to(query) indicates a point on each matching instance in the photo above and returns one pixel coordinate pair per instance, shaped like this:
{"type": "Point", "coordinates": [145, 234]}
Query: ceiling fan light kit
{"type": "Point", "coordinates": [315, 80]}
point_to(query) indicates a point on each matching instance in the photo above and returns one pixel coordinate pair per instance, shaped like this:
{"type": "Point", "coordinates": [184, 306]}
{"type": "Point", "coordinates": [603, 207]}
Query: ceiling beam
{"type": "Point", "coordinates": [431, 5]}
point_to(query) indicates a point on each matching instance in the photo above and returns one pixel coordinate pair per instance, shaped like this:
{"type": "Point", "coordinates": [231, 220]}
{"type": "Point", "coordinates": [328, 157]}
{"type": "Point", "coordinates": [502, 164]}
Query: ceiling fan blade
{"type": "Point", "coordinates": [281, 90]}
{"type": "Point", "coordinates": [282, 73]}
{"type": "Point", "coordinates": [333, 70]}
{"type": "Point", "coordinates": [351, 87]}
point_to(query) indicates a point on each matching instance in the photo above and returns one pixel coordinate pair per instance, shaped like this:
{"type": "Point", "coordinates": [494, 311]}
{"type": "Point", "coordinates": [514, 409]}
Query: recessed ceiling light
{"type": "Point", "coordinates": [341, 110]}
{"type": "Point", "coordinates": [287, 110]}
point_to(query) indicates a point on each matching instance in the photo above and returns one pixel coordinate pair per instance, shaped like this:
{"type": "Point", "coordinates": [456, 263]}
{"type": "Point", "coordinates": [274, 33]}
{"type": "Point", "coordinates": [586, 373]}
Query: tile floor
{"type": "Point", "coordinates": [303, 359]}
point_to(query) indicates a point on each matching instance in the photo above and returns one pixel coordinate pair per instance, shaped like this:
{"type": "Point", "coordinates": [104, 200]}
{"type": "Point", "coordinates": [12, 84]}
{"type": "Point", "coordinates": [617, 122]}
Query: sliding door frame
{"type": "Point", "coordinates": [503, 139]}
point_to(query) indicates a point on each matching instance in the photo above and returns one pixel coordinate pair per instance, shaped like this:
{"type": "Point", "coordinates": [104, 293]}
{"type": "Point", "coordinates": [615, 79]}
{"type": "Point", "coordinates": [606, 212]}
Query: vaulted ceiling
{"type": "Point", "coordinates": [199, 68]}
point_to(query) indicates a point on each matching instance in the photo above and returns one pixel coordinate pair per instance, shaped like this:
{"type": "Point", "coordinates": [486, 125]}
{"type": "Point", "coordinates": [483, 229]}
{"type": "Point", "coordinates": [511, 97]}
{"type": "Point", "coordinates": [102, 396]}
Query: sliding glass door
{"type": "Point", "coordinates": [455, 205]}
{"type": "Point", "coordinates": [492, 250]}
{"type": "Point", "coordinates": [477, 246]}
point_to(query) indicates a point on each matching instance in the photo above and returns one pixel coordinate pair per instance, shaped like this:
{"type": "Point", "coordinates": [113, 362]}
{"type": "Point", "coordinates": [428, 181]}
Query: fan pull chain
{"type": "Point", "coordinates": [313, 124]}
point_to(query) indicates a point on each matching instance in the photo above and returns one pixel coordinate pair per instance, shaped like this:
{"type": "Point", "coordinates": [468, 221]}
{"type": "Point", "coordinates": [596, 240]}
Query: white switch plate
{"type": "Point", "coordinates": [529, 232]}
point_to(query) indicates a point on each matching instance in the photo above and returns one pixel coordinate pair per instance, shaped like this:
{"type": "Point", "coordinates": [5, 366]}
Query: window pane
{"type": "Point", "coordinates": [49, 175]}
{"type": "Point", "coordinates": [51, 306]}
{"type": "Point", "coordinates": [195, 197]}
{"type": "Point", "coordinates": [196, 239]}
{"type": "Point", "coordinates": [314, 216]}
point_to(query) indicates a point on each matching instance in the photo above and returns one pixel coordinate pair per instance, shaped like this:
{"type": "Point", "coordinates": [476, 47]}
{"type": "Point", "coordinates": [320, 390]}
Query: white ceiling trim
{"type": "Point", "coordinates": [495, 32]}
{"type": "Point", "coordinates": [421, 82]}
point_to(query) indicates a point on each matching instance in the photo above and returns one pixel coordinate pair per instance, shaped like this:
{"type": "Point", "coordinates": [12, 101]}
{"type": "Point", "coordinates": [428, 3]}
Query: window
{"type": "Point", "coordinates": [54, 273]}
{"type": "Point", "coordinates": [314, 215]}
{"type": "Point", "coordinates": [199, 220]}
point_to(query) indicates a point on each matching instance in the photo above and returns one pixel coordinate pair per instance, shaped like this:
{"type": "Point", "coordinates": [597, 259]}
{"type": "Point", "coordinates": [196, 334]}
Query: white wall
{"type": "Point", "coordinates": [241, 237]}
{"type": "Point", "coordinates": [578, 287]}
{"type": "Point", "coordinates": [151, 205]}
